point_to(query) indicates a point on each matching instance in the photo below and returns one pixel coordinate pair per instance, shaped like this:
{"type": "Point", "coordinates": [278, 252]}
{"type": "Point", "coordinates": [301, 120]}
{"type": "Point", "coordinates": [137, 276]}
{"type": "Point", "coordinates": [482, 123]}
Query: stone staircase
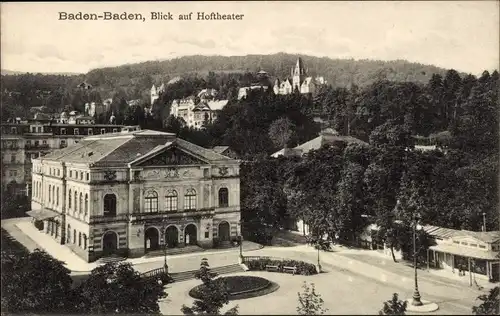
{"type": "Point", "coordinates": [109, 259]}
{"type": "Point", "coordinates": [189, 275]}
{"type": "Point", "coordinates": [174, 251]}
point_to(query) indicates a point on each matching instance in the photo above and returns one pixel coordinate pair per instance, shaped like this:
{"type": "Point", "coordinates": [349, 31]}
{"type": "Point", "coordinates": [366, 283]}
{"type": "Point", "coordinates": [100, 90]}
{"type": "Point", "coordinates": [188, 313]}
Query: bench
{"type": "Point", "coordinates": [272, 268]}
{"type": "Point", "coordinates": [293, 270]}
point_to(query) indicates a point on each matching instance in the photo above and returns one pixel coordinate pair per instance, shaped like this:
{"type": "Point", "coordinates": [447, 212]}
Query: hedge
{"type": "Point", "coordinates": [303, 268]}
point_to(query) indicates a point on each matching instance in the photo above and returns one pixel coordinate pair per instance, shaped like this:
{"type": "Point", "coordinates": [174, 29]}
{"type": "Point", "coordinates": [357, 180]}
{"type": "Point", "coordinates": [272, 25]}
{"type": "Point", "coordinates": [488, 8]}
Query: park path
{"type": "Point", "coordinates": [340, 260]}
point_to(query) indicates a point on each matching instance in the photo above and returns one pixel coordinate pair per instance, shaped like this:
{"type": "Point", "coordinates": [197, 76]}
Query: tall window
{"type": "Point", "coordinates": [69, 199]}
{"type": "Point", "coordinates": [57, 196]}
{"type": "Point", "coordinates": [80, 207]}
{"type": "Point", "coordinates": [79, 239]}
{"type": "Point", "coordinates": [84, 241]}
{"type": "Point", "coordinates": [68, 235]}
{"type": "Point", "coordinates": [171, 201]}
{"type": "Point", "coordinates": [74, 236]}
{"type": "Point", "coordinates": [75, 203]}
{"type": "Point", "coordinates": [109, 205]}
{"type": "Point", "coordinates": [223, 197]}
{"type": "Point", "coordinates": [190, 199]}
{"type": "Point", "coordinates": [50, 193]}
{"type": "Point", "coordinates": [151, 202]}
{"type": "Point", "coordinates": [86, 204]}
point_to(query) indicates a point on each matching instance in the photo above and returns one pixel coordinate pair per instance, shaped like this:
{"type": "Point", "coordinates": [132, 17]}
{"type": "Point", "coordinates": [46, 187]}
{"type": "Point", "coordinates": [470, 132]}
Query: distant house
{"type": "Point", "coordinates": [195, 114]}
{"type": "Point", "coordinates": [226, 151]}
{"type": "Point", "coordinates": [207, 94]}
{"type": "Point", "coordinates": [327, 137]}
{"type": "Point", "coordinates": [155, 92]}
{"type": "Point", "coordinates": [299, 81]}
{"type": "Point", "coordinates": [243, 92]}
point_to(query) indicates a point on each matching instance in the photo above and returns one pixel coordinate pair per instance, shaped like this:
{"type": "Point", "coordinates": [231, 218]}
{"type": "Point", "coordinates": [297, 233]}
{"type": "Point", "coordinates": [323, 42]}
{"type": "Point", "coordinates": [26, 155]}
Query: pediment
{"type": "Point", "coordinates": [173, 156]}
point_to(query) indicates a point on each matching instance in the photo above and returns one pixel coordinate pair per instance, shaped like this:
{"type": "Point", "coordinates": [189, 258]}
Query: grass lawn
{"type": "Point", "coordinates": [237, 285]}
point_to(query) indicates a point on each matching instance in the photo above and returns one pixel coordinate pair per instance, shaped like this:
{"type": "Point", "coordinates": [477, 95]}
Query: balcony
{"type": "Point", "coordinates": [171, 215]}
{"type": "Point", "coordinates": [35, 147]}
{"type": "Point", "coordinates": [101, 219]}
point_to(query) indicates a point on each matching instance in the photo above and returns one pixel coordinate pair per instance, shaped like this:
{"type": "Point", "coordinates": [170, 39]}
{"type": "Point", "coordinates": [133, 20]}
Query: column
{"type": "Point", "coordinates": [488, 270]}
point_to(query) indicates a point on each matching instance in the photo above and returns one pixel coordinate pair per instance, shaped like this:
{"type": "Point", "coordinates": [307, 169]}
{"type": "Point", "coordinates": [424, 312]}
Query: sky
{"type": "Point", "coordinates": [451, 34]}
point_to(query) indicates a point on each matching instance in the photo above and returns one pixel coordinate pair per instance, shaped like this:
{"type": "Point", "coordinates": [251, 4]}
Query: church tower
{"type": "Point", "coordinates": [298, 74]}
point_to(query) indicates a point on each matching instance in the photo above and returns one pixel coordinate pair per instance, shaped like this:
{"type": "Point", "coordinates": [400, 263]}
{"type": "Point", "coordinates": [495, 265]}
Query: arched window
{"type": "Point", "coordinates": [68, 234]}
{"type": "Point", "coordinates": [84, 241]}
{"type": "Point", "coordinates": [75, 204]}
{"type": "Point", "coordinates": [223, 197]}
{"type": "Point", "coordinates": [86, 204]}
{"type": "Point", "coordinates": [50, 193]}
{"type": "Point", "coordinates": [79, 239]}
{"type": "Point", "coordinates": [80, 206]}
{"type": "Point", "coordinates": [171, 201]}
{"type": "Point", "coordinates": [151, 202]}
{"type": "Point", "coordinates": [190, 199]}
{"type": "Point", "coordinates": [69, 199]}
{"type": "Point", "coordinates": [109, 205]}
{"type": "Point", "coordinates": [57, 196]}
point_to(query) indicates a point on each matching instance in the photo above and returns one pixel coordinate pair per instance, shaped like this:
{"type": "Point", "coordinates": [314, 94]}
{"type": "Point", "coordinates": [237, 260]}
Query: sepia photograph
{"type": "Point", "coordinates": [250, 158]}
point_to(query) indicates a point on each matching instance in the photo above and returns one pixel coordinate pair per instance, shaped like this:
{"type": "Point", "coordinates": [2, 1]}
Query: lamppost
{"type": "Point", "coordinates": [416, 295]}
{"type": "Point", "coordinates": [164, 237]}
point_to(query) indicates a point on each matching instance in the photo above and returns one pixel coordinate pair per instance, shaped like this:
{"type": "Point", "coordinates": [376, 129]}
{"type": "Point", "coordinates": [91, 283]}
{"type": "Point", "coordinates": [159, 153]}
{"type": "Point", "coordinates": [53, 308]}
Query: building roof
{"type": "Point", "coordinates": [327, 137]}
{"type": "Point", "coordinates": [120, 149]}
{"type": "Point", "coordinates": [441, 232]}
{"type": "Point", "coordinates": [466, 251]}
{"type": "Point", "coordinates": [217, 105]}
{"type": "Point", "coordinates": [220, 149]}
{"type": "Point", "coordinates": [444, 233]}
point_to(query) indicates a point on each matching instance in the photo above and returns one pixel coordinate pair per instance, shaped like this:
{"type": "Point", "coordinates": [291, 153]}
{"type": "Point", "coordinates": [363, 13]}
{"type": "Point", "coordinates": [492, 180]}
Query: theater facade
{"type": "Point", "coordinates": [133, 192]}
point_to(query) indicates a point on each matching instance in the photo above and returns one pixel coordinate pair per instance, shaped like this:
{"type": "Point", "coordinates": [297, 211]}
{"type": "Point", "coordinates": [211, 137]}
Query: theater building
{"type": "Point", "coordinates": [132, 192]}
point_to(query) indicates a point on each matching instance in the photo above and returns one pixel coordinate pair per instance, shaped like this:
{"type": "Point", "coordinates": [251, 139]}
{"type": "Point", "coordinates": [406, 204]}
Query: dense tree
{"type": "Point", "coordinates": [35, 283]}
{"type": "Point", "coordinates": [490, 304]}
{"type": "Point", "coordinates": [118, 288]}
{"type": "Point", "coordinates": [310, 302]}
{"type": "Point", "coordinates": [280, 132]}
{"type": "Point", "coordinates": [213, 295]}
{"type": "Point", "coordinates": [393, 306]}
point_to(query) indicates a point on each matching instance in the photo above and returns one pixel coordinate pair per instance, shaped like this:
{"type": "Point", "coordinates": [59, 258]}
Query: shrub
{"type": "Point", "coordinates": [260, 264]}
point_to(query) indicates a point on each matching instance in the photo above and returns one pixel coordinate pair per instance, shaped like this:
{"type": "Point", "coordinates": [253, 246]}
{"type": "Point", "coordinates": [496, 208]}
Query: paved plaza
{"type": "Point", "coordinates": [343, 292]}
{"type": "Point", "coordinates": [349, 286]}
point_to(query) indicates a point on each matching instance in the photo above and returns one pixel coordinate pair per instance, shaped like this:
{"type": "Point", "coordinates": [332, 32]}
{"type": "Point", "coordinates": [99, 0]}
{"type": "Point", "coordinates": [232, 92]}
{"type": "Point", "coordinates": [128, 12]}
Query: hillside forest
{"type": "Point", "coordinates": [334, 189]}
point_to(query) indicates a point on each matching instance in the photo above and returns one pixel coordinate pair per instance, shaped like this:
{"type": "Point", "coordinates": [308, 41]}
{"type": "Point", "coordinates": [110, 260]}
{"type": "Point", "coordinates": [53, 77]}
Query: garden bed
{"type": "Point", "coordinates": [260, 263]}
{"type": "Point", "coordinates": [240, 287]}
